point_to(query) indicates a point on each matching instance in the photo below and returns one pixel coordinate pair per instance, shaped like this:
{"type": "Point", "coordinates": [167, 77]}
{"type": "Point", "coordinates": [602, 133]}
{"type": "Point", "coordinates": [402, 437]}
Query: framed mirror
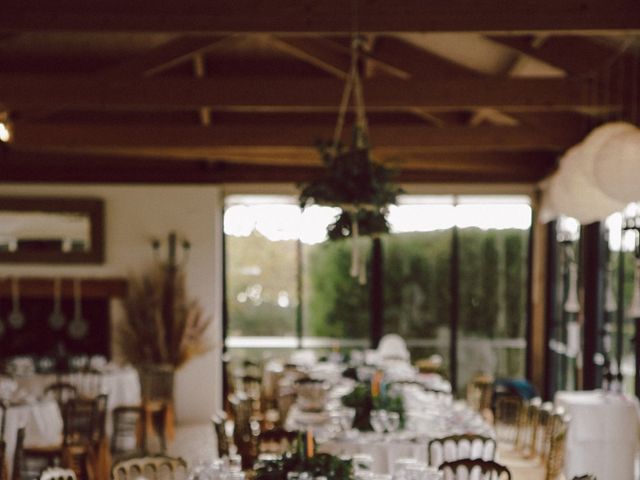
{"type": "Point", "coordinates": [51, 230]}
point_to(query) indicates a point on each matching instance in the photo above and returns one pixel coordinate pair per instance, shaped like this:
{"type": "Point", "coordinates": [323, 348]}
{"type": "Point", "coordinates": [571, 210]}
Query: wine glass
{"type": "Point", "coordinates": [348, 415]}
{"type": "Point", "coordinates": [377, 420]}
{"type": "Point", "coordinates": [392, 422]}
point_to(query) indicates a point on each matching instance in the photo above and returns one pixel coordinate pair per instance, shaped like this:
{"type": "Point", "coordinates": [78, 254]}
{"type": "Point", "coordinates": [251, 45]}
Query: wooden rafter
{"type": "Point", "coordinates": [327, 16]}
{"type": "Point", "coordinates": [165, 56]}
{"type": "Point", "coordinates": [285, 93]}
{"type": "Point", "coordinates": [38, 167]}
{"type": "Point", "coordinates": [393, 137]}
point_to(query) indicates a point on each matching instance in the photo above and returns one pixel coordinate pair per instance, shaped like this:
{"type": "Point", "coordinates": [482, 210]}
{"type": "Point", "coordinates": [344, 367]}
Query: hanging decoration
{"type": "Point", "coordinates": [599, 176]}
{"type": "Point", "coordinates": [352, 181]}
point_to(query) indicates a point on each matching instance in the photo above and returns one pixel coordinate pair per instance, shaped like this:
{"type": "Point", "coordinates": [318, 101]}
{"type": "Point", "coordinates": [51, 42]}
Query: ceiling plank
{"type": "Point", "coordinates": [397, 137]}
{"type": "Point", "coordinates": [78, 91]}
{"type": "Point", "coordinates": [33, 167]}
{"type": "Point", "coordinates": [328, 16]}
{"type": "Point", "coordinates": [574, 55]}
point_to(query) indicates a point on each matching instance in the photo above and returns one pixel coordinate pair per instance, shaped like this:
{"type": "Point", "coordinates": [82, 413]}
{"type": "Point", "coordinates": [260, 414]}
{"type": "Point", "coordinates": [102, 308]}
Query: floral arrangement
{"type": "Point", "coordinates": [163, 325]}
{"type": "Point", "coordinates": [362, 188]}
{"type": "Point", "coordinates": [366, 397]}
{"type": "Point", "coordinates": [304, 459]}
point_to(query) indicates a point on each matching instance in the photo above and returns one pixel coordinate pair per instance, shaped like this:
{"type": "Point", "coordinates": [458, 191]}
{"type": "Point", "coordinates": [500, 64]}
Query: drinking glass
{"type": "Point", "coordinates": [392, 421]}
{"type": "Point", "coordinates": [235, 463]}
{"type": "Point", "coordinates": [377, 420]}
{"type": "Point", "coordinates": [347, 417]}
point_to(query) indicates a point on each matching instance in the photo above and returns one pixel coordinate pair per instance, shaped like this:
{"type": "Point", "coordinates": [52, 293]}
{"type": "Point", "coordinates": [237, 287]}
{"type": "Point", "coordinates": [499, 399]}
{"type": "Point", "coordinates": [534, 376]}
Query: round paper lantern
{"type": "Point", "coordinates": [593, 142]}
{"type": "Point", "coordinates": [617, 166]}
{"type": "Point", "coordinates": [574, 193]}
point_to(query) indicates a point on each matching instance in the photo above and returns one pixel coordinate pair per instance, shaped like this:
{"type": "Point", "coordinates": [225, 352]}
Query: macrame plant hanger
{"type": "Point", "coordinates": [353, 92]}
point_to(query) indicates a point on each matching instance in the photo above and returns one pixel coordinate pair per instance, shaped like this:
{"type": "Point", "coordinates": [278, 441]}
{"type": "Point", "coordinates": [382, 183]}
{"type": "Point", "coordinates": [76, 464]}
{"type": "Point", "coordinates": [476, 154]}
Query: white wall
{"type": "Point", "coordinates": [134, 215]}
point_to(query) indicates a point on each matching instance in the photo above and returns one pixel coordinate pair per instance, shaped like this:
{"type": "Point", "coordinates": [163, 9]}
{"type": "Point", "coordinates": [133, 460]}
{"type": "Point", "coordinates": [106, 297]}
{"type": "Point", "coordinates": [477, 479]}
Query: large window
{"type": "Point", "coordinates": [287, 286]}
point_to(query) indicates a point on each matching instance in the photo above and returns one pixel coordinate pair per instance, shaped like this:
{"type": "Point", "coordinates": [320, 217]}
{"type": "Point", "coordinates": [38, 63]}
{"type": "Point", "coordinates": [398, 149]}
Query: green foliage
{"type": "Point", "coordinates": [363, 402]}
{"type": "Point", "coordinates": [350, 177]}
{"type": "Point", "coordinates": [370, 223]}
{"type": "Point", "coordinates": [321, 464]}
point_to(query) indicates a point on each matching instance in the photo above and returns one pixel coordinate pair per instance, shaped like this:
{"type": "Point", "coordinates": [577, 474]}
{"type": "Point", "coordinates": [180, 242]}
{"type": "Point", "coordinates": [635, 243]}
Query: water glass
{"type": "Point", "coordinates": [347, 417]}
{"type": "Point", "coordinates": [377, 419]}
{"type": "Point", "coordinates": [392, 422]}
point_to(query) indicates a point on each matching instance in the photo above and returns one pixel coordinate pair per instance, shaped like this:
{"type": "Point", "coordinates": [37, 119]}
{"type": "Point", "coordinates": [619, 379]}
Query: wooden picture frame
{"type": "Point", "coordinates": [93, 208]}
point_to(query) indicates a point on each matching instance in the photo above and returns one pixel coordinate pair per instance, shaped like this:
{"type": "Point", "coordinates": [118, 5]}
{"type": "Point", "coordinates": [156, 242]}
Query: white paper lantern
{"type": "Point", "coordinates": [617, 166]}
{"type": "Point", "coordinates": [593, 142]}
{"type": "Point", "coordinates": [573, 191]}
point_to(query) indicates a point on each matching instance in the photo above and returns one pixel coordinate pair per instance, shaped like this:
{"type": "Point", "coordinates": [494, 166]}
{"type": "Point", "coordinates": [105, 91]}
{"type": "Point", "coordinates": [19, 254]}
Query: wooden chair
{"type": "Point", "coordinates": [507, 418]}
{"type": "Point", "coordinates": [55, 473]}
{"type": "Point", "coordinates": [245, 430]}
{"type": "Point", "coordinates": [456, 447]}
{"type": "Point", "coordinates": [277, 441]}
{"type": "Point", "coordinates": [158, 467]}
{"type": "Point", "coordinates": [61, 391]}
{"type": "Point", "coordinates": [559, 424]}
{"type": "Point", "coordinates": [527, 429]}
{"type": "Point", "coordinates": [466, 468]}
{"type": "Point", "coordinates": [543, 431]}
{"type": "Point", "coordinates": [585, 477]}
{"type": "Point", "coordinates": [480, 393]}
{"type": "Point", "coordinates": [129, 434]}
{"type": "Point", "coordinates": [218, 421]}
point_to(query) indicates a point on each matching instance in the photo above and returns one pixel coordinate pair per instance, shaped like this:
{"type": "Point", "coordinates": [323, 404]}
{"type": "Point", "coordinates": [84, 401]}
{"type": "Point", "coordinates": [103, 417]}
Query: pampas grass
{"type": "Point", "coordinates": [163, 326]}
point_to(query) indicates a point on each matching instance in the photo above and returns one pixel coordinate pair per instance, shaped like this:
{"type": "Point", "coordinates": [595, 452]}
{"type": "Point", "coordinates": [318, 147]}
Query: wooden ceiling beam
{"type": "Point", "coordinates": [328, 16]}
{"type": "Point", "coordinates": [574, 55]}
{"type": "Point", "coordinates": [265, 136]}
{"type": "Point", "coordinates": [164, 56]}
{"type": "Point", "coordinates": [316, 51]}
{"type": "Point", "coordinates": [32, 167]}
{"type": "Point", "coordinates": [286, 93]}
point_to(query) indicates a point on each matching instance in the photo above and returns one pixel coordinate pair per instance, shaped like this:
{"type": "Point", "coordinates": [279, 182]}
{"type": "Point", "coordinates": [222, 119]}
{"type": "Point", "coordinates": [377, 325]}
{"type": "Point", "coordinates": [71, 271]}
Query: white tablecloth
{"type": "Point", "coordinates": [42, 422]}
{"type": "Point", "coordinates": [122, 385]}
{"type": "Point", "coordinates": [603, 434]}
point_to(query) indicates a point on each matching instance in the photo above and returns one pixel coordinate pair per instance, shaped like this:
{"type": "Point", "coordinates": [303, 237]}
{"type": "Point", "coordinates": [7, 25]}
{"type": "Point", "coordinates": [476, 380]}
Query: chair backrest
{"type": "Point", "coordinates": [507, 417]}
{"type": "Point", "coordinates": [456, 447]}
{"type": "Point", "coordinates": [480, 392]}
{"type": "Point", "coordinates": [61, 391]}
{"type": "Point", "coordinates": [81, 419]}
{"type": "Point", "coordinates": [55, 473]}
{"type": "Point", "coordinates": [559, 424]}
{"type": "Point", "coordinates": [129, 430]}
{"type": "Point", "coordinates": [277, 441]}
{"type": "Point", "coordinates": [465, 468]}
{"type": "Point", "coordinates": [3, 450]}
{"type": "Point", "coordinates": [18, 453]}
{"type": "Point", "coordinates": [585, 477]}
{"type": "Point", "coordinates": [3, 422]}
{"type": "Point", "coordinates": [218, 421]}
{"type": "Point", "coordinates": [157, 467]}
{"type": "Point", "coordinates": [246, 430]}
{"type": "Point", "coordinates": [527, 430]}
{"type": "Point", "coordinates": [543, 430]}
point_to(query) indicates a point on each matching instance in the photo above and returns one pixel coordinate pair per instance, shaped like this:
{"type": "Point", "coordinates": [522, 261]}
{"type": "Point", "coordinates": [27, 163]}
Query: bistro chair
{"type": "Point", "coordinates": [245, 428]}
{"type": "Point", "coordinates": [54, 473]}
{"type": "Point", "coordinates": [219, 420]}
{"type": "Point", "coordinates": [62, 392]}
{"type": "Point", "coordinates": [456, 447]}
{"type": "Point", "coordinates": [480, 393]}
{"type": "Point", "coordinates": [559, 424]}
{"type": "Point", "coordinates": [527, 429]}
{"type": "Point", "coordinates": [585, 477]}
{"type": "Point", "coordinates": [466, 468]}
{"type": "Point", "coordinates": [507, 418]}
{"type": "Point", "coordinates": [129, 431]}
{"type": "Point", "coordinates": [277, 441]}
{"type": "Point", "coordinates": [157, 467]}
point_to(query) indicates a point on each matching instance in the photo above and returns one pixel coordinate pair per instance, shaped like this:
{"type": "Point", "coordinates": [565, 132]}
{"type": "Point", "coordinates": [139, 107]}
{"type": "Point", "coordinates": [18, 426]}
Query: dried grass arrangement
{"type": "Point", "coordinates": [163, 326]}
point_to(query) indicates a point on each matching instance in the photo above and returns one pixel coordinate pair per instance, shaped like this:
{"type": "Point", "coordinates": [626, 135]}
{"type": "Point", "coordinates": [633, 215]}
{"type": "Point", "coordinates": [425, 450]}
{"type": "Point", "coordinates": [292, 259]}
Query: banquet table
{"type": "Point", "coordinates": [603, 434]}
{"type": "Point", "coordinates": [122, 385]}
{"type": "Point", "coordinates": [428, 416]}
{"type": "Point", "coordinates": [42, 422]}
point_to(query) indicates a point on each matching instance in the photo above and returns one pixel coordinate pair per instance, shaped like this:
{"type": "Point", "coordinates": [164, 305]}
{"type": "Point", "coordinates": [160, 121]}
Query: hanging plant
{"type": "Point", "coordinates": [352, 181]}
